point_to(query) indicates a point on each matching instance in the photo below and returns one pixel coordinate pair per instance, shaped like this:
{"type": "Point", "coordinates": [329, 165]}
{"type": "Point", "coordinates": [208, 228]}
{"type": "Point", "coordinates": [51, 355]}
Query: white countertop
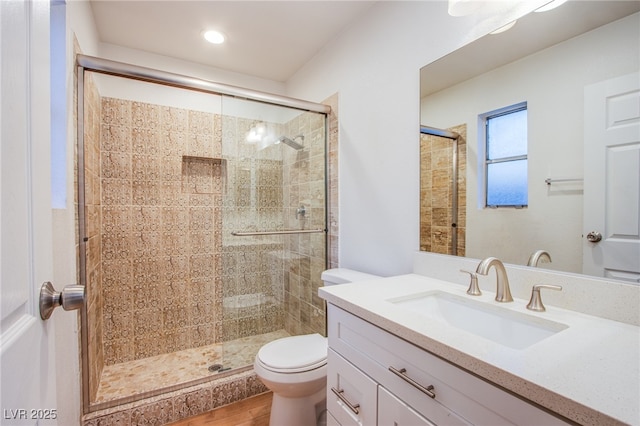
{"type": "Point", "coordinates": [589, 372]}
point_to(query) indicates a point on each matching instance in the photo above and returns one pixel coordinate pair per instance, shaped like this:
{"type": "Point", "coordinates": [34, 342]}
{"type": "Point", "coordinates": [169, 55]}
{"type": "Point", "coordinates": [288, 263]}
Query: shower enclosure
{"type": "Point", "coordinates": [202, 228]}
{"type": "Point", "coordinates": [443, 159]}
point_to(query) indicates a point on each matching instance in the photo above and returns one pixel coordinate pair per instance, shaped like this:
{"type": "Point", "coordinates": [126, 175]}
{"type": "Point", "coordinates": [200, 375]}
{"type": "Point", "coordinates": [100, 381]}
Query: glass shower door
{"type": "Point", "coordinates": [149, 166]}
{"type": "Point", "coordinates": [273, 225]}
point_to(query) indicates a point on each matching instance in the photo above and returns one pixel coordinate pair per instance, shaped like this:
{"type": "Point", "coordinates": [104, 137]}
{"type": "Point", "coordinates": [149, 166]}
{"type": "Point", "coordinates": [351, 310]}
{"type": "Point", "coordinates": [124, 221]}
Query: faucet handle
{"type": "Point", "coordinates": [535, 304]}
{"type": "Point", "coordinates": [473, 289]}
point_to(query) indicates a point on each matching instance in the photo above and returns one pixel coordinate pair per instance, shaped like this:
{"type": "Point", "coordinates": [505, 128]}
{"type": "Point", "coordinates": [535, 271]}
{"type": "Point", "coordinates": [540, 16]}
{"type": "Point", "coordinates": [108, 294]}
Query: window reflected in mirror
{"type": "Point", "coordinates": [505, 144]}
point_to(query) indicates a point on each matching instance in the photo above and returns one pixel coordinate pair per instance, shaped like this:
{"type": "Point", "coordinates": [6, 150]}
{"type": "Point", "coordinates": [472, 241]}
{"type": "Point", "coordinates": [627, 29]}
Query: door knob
{"type": "Point", "coordinates": [71, 297]}
{"type": "Point", "coordinates": [594, 236]}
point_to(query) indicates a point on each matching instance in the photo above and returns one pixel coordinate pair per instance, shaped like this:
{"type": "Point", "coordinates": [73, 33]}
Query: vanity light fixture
{"type": "Point", "coordinates": [214, 37]}
{"type": "Point", "coordinates": [464, 7]}
{"type": "Point", "coordinates": [550, 6]}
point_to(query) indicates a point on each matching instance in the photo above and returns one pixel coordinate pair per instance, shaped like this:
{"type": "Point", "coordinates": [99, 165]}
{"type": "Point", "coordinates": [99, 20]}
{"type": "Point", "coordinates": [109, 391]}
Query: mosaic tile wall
{"type": "Point", "coordinates": [436, 156]}
{"type": "Point", "coordinates": [161, 182]}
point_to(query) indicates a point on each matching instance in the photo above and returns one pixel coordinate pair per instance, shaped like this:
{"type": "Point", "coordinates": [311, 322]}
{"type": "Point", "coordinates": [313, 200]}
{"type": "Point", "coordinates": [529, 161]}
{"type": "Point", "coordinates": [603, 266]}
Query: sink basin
{"type": "Point", "coordinates": [506, 327]}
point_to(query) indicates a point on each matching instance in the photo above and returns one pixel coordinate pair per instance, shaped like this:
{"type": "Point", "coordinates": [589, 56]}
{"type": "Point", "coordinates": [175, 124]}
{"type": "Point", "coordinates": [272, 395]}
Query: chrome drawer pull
{"type": "Point", "coordinates": [401, 373]}
{"type": "Point", "coordinates": [340, 395]}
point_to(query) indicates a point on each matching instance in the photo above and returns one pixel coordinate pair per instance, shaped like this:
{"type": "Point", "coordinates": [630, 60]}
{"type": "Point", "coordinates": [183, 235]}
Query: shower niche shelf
{"type": "Point", "coordinates": [203, 175]}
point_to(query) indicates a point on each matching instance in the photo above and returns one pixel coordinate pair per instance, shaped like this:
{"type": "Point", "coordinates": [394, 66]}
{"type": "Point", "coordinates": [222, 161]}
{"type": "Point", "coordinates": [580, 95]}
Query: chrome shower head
{"type": "Point", "coordinates": [293, 144]}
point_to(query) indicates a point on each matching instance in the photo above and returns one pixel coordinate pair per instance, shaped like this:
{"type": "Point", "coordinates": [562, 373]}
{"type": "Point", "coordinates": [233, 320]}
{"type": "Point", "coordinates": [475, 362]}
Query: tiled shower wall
{"type": "Point", "coordinates": [332, 223]}
{"type": "Point", "coordinates": [93, 111]}
{"type": "Point", "coordinates": [161, 183]}
{"type": "Point", "coordinates": [304, 173]}
{"type": "Point", "coordinates": [436, 157]}
{"type": "Point", "coordinates": [282, 178]}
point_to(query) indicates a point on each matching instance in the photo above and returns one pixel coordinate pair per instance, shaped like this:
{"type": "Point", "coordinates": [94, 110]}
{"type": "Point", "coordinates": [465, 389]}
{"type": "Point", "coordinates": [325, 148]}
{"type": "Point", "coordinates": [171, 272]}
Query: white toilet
{"type": "Point", "coordinates": [295, 368]}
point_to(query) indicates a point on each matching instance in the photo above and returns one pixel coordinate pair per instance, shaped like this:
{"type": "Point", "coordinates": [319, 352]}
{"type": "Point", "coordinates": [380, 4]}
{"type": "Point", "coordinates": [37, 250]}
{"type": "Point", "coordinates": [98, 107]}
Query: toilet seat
{"type": "Point", "coordinates": [294, 354]}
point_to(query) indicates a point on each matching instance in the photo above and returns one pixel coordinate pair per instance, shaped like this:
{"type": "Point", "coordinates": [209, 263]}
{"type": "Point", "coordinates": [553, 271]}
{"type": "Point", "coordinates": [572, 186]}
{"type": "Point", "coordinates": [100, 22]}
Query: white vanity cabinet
{"type": "Point", "coordinates": [392, 381]}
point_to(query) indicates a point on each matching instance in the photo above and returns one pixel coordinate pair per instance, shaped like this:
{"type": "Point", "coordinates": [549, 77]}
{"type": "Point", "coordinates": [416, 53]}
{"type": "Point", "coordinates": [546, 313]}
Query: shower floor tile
{"type": "Point", "coordinates": [144, 375]}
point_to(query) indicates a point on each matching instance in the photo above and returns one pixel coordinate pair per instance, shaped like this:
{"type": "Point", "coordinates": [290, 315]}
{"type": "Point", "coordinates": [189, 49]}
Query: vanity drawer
{"type": "Point", "coordinates": [456, 397]}
{"type": "Point", "coordinates": [352, 397]}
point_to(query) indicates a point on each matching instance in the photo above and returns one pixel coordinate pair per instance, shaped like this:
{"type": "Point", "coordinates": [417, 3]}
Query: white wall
{"type": "Point", "coordinates": [191, 69]}
{"type": "Point", "coordinates": [553, 220]}
{"type": "Point", "coordinates": [374, 66]}
{"type": "Point", "coordinates": [141, 91]}
{"type": "Point", "coordinates": [79, 21]}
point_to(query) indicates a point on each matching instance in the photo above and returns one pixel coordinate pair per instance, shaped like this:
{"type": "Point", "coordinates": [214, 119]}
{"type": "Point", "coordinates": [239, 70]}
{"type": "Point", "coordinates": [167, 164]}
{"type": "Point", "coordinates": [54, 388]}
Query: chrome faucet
{"type": "Point", "coordinates": [503, 293]}
{"type": "Point", "coordinates": [538, 256]}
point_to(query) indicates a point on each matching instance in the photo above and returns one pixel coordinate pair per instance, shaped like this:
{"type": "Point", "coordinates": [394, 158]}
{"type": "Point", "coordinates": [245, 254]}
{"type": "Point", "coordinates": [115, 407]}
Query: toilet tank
{"type": "Point", "coordinates": [344, 275]}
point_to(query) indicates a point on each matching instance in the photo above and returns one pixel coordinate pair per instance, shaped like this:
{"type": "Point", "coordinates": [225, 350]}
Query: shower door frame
{"type": "Point", "coordinates": [455, 137]}
{"type": "Point", "coordinates": [86, 63]}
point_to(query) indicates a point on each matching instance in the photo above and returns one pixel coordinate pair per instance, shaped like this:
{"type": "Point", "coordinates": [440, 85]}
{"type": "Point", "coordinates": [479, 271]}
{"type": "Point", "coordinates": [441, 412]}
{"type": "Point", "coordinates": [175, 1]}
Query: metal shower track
{"type": "Point", "coordinates": [106, 66]}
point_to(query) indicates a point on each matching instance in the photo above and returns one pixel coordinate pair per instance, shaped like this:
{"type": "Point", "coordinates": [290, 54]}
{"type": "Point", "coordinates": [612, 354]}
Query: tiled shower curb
{"type": "Point", "coordinates": [180, 404]}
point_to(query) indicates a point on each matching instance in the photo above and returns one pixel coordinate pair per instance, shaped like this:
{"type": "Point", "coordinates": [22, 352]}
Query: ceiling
{"type": "Point", "coordinates": [266, 39]}
{"type": "Point", "coordinates": [530, 34]}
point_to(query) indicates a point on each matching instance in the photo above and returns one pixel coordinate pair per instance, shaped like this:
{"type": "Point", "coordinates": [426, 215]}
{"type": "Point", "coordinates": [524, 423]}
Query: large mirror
{"type": "Point", "coordinates": [545, 60]}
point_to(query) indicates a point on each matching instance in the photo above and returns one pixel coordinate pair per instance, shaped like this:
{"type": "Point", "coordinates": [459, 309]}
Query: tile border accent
{"type": "Point", "coordinates": [180, 404]}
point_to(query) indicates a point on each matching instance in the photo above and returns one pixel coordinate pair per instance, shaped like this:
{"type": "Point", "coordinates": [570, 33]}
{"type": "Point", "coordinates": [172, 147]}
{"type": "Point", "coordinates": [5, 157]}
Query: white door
{"type": "Point", "coordinates": [27, 393]}
{"type": "Point", "coordinates": [612, 179]}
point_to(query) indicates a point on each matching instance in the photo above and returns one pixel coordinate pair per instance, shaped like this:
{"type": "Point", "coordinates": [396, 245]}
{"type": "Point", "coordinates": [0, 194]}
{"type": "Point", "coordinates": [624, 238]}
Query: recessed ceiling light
{"type": "Point", "coordinates": [215, 37]}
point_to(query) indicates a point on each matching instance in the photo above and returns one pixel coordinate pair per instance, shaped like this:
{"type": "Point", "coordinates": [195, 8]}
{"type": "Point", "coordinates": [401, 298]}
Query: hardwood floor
{"type": "Point", "coordinates": [253, 411]}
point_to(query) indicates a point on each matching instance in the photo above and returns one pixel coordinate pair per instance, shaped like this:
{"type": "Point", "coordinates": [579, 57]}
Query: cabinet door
{"type": "Point", "coordinates": [352, 397]}
{"type": "Point", "coordinates": [331, 421]}
{"type": "Point", "coordinates": [393, 412]}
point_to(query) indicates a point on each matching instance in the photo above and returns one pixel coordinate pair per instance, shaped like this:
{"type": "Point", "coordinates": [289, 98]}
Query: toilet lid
{"type": "Point", "coordinates": [295, 353]}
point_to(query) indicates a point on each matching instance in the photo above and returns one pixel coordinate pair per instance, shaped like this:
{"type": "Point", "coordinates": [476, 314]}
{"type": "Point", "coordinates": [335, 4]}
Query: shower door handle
{"type": "Point", "coordinates": [282, 232]}
{"type": "Point", "coordinates": [71, 297]}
